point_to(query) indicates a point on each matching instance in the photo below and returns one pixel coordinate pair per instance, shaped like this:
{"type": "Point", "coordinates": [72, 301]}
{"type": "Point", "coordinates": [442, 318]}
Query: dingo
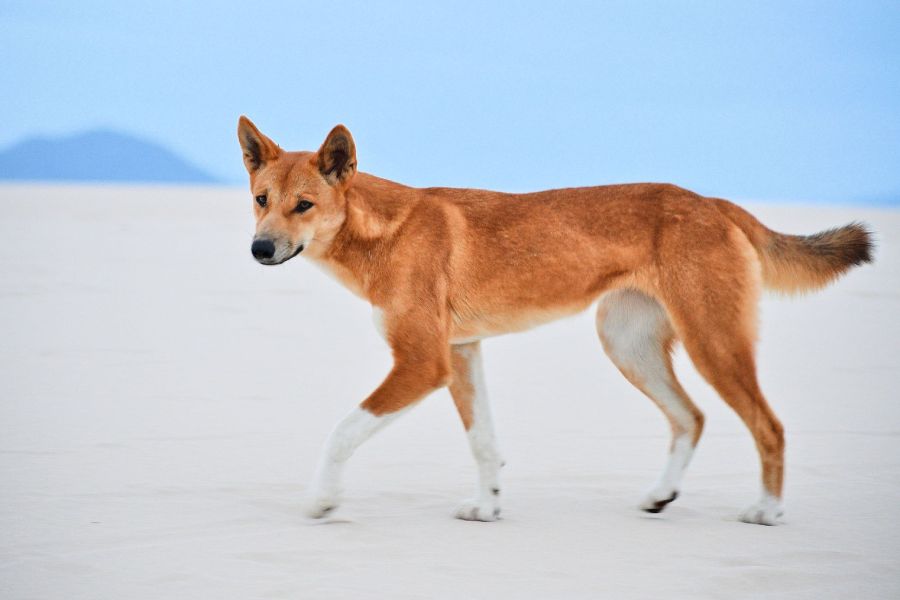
{"type": "Point", "coordinates": [444, 268]}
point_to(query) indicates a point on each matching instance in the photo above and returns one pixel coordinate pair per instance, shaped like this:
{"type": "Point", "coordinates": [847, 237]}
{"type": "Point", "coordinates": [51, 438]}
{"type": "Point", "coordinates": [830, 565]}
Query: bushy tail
{"type": "Point", "coordinates": [800, 263]}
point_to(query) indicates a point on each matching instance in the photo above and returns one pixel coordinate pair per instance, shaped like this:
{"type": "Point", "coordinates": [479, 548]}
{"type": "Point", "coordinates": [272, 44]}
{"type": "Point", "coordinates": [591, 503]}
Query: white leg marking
{"type": "Point", "coordinates": [765, 512]}
{"type": "Point", "coordinates": [666, 487]}
{"type": "Point", "coordinates": [485, 505]}
{"type": "Point", "coordinates": [378, 319]}
{"type": "Point", "coordinates": [634, 328]}
{"type": "Point", "coordinates": [352, 431]}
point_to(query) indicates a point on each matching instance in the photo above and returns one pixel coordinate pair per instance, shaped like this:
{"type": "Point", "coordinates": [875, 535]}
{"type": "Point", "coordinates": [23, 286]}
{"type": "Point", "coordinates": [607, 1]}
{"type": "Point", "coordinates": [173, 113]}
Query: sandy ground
{"type": "Point", "coordinates": [164, 399]}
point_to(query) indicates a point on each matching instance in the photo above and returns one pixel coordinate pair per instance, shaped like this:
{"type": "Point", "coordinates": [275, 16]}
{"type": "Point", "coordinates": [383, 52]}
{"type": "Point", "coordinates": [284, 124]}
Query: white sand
{"type": "Point", "coordinates": [164, 399]}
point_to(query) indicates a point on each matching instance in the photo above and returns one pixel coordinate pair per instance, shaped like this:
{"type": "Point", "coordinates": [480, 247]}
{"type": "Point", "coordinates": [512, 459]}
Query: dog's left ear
{"type": "Point", "coordinates": [337, 157]}
{"type": "Point", "coordinates": [257, 148]}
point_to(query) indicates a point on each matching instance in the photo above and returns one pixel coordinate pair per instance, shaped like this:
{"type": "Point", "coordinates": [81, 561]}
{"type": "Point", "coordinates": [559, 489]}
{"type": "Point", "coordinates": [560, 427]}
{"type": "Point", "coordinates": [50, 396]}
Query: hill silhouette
{"type": "Point", "coordinates": [97, 155]}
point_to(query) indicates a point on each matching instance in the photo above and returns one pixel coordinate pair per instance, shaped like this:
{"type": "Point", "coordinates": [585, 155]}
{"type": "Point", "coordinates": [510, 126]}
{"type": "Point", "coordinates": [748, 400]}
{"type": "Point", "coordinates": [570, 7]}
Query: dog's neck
{"type": "Point", "coordinates": [376, 208]}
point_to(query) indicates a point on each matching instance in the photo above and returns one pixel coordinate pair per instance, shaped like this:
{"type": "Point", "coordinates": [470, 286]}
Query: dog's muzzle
{"type": "Point", "coordinates": [264, 251]}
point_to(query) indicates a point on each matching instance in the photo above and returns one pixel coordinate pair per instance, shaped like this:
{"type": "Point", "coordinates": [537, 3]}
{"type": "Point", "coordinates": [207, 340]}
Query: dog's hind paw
{"type": "Point", "coordinates": [472, 510]}
{"type": "Point", "coordinates": [765, 512]}
{"type": "Point", "coordinates": [654, 504]}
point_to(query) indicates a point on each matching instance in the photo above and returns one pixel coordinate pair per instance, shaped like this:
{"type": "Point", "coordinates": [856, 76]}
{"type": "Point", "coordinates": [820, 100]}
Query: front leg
{"type": "Point", "coordinates": [469, 395]}
{"type": "Point", "coordinates": [350, 433]}
{"type": "Point", "coordinates": [421, 365]}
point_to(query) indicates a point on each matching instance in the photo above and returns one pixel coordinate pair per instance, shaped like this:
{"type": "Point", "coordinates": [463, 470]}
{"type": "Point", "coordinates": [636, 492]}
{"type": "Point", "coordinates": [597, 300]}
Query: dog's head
{"type": "Point", "coordinates": [298, 197]}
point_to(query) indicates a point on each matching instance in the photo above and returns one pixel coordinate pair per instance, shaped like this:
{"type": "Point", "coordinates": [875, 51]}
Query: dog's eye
{"type": "Point", "coordinates": [261, 200]}
{"type": "Point", "coordinates": [303, 206]}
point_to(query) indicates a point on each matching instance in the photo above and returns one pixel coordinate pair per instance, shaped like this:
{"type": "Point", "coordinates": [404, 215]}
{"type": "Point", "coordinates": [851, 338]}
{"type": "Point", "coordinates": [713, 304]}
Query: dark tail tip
{"type": "Point", "coordinates": [858, 243]}
{"type": "Point", "coordinates": [842, 247]}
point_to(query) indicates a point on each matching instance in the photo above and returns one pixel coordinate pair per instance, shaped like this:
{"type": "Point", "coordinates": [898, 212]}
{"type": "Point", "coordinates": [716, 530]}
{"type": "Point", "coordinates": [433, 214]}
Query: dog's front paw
{"type": "Point", "coordinates": [321, 506]}
{"type": "Point", "coordinates": [765, 512]}
{"type": "Point", "coordinates": [473, 510]}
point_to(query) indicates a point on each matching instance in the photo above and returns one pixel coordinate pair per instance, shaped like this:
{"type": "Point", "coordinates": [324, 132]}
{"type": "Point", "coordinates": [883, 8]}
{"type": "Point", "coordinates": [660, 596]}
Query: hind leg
{"type": "Point", "coordinates": [725, 359]}
{"type": "Point", "coordinates": [638, 337]}
{"type": "Point", "coordinates": [716, 321]}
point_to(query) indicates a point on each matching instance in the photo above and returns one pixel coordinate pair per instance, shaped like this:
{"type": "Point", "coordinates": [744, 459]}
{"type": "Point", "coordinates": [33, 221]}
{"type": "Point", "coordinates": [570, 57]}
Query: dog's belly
{"type": "Point", "coordinates": [471, 329]}
{"type": "Point", "coordinates": [536, 300]}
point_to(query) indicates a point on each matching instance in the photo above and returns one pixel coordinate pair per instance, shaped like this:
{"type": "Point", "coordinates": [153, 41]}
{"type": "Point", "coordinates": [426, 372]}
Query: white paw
{"type": "Point", "coordinates": [657, 500]}
{"type": "Point", "coordinates": [765, 512]}
{"type": "Point", "coordinates": [473, 510]}
{"type": "Point", "coordinates": [320, 506]}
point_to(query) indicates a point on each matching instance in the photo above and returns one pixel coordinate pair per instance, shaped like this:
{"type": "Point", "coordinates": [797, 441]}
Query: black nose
{"type": "Point", "coordinates": [262, 249]}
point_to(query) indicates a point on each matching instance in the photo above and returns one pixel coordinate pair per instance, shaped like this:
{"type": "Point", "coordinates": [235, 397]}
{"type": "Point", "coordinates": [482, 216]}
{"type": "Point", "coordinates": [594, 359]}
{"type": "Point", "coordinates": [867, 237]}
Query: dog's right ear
{"type": "Point", "coordinates": [258, 149]}
{"type": "Point", "coordinates": [337, 157]}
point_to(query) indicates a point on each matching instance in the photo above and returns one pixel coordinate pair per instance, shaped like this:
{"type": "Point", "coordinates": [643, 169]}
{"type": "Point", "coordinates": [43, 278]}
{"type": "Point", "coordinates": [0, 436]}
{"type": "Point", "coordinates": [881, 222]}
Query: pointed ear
{"type": "Point", "coordinates": [258, 149]}
{"type": "Point", "coordinates": [337, 157]}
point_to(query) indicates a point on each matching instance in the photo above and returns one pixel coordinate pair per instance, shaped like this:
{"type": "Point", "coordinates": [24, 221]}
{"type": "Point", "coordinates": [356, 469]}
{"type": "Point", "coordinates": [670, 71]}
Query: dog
{"type": "Point", "coordinates": [445, 268]}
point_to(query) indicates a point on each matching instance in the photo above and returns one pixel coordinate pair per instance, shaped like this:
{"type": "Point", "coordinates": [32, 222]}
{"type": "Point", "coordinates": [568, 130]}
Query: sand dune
{"type": "Point", "coordinates": [164, 399]}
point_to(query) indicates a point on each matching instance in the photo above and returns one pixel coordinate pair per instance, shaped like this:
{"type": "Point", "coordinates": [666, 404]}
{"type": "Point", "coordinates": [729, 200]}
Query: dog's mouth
{"type": "Point", "coordinates": [271, 262]}
{"type": "Point", "coordinates": [294, 253]}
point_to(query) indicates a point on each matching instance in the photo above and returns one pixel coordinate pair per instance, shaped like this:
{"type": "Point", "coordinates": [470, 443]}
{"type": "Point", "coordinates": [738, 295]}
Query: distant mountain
{"type": "Point", "coordinates": [97, 155]}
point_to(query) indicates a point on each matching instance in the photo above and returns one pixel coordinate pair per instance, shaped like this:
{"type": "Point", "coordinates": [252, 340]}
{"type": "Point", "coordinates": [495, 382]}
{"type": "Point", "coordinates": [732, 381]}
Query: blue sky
{"type": "Point", "coordinates": [775, 100]}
